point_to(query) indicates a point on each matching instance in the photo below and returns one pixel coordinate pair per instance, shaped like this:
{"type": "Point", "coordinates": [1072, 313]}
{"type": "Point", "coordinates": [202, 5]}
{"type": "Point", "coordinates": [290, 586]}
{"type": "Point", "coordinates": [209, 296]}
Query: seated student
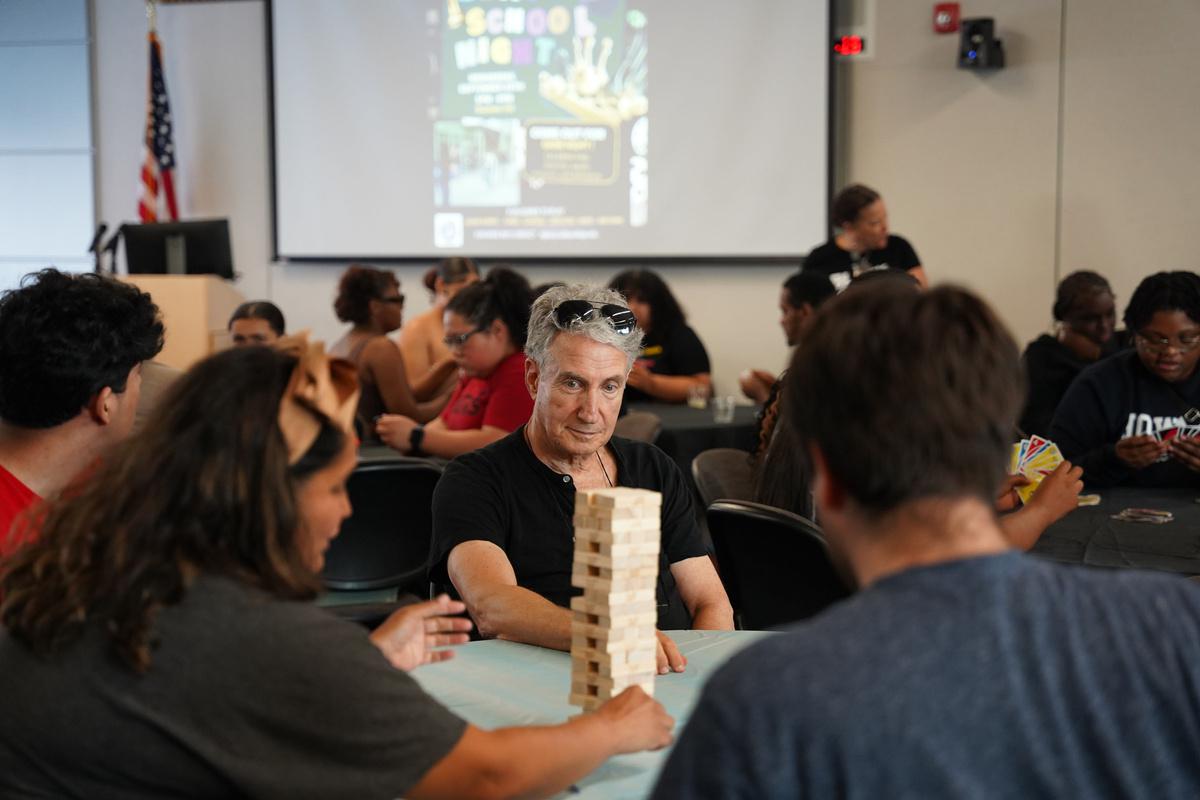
{"type": "Point", "coordinates": [370, 299]}
{"type": "Point", "coordinates": [960, 668]}
{"type": "Point", "coordinates": [71, 353]}
{"type": "Point", "coordinates": [1086, 313]}
{"type": "Point", "coordinates": [1120, 418]}
{"type": "Point", "coordinates": [502, 516]}
{"type": "Point", "coordinates": [673, 359]}
{"type": "Point", "coordinates": [421, 338]}
{"type": "Point", "coordinates": [862, 243]}
{"type": "Point", "coordinates": [486, 324]}
{"type": "Point", "coordinates": [256, 322]}
{"type": "Point", "coordinates": [799, 299]}
{"type": "Point", "coordinates": [162, 642]}
{"type": "Point", "coordinates": [782, 475]}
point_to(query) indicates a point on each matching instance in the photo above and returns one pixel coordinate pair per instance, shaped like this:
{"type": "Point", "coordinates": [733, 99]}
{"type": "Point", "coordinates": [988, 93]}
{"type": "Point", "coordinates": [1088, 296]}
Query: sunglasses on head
{"type": "Point", "coordinates": [620, 318]}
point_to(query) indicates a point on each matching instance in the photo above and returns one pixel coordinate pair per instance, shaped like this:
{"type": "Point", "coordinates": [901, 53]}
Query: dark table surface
{"type": "Point", "coordinates": [1090, 536]}
{"type": "Point", "coordinates": [687, 432]}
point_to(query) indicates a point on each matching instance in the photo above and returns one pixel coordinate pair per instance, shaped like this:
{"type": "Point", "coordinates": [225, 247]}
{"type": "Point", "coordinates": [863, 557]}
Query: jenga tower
{"type": "Point", "coordinates": [613, 643]}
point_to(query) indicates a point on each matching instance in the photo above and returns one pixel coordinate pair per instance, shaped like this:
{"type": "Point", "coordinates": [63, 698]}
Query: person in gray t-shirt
{"type": "Point", "coordinates": [961, 668]}
{"type": "Point", "coordinates": [161, 641]}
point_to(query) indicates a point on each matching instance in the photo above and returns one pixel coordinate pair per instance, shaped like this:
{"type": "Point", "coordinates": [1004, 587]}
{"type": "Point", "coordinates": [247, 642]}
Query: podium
{"type": "Point", "coordinates": [195, 312]}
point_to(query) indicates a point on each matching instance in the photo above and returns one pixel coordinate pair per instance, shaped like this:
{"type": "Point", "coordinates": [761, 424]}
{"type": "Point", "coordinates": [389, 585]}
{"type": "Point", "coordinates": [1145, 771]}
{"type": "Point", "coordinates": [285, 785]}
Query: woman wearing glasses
{"type": "Point", "coordinates": [1134, 419]}
{"type": "Point", "coordinates": [370, 300]}
{"type": "Point", "coordinates": [485, 329]}
{"type": "Point", "coordinates": [673, 363]}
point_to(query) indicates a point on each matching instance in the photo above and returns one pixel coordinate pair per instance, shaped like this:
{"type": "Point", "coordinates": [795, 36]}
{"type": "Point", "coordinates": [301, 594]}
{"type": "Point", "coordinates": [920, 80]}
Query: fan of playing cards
{"type": "Point", "coordinates": [1035, 458]}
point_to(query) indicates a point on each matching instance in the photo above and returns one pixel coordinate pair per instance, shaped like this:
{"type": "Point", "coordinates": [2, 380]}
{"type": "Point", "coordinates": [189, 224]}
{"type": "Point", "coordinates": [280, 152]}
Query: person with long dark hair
{"type": "Point", "coordinates": [486, 325]}
{"type": "Point", "coordinates": [863, 242]}
{"type": "Point", "coordinates": [371, 301]}
{"type": "Point", "coordinates": [673, 361]}
{"type": "Point", "coordinates": [1085, 310]}
{"type": "Point", "coordinates": [1131, 419]}
{"type": "Point", "coordinates": [160, 638]}
{"type": "Point", "coordinates": [421, 337]}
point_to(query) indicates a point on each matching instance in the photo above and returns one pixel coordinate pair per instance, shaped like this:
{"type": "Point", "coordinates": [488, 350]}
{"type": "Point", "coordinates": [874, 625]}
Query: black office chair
{"type": "Point", "coordinates": [774, 564]}
{"type": "Point", "coordinates": [723, 473]}
{"type": "Point", "coordinates": [384, 544]}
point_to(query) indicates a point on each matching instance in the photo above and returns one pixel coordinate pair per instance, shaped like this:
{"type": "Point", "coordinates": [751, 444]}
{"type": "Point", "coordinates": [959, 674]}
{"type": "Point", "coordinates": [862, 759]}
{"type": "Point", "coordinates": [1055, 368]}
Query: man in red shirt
{"type": "Point", "coordinates": [71, 350]}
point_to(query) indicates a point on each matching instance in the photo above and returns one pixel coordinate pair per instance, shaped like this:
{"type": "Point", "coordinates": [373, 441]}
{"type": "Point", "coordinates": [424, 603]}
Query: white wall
{"type": "Point", "coordinates": [215, 60]}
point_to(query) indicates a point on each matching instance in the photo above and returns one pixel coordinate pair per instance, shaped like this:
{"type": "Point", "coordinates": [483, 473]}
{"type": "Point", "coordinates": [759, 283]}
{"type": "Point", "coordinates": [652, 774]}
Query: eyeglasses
{"type": "Point", "coordinates": [620, 318]}
{"type": "Point", "coordinates": [398, 299]}
{"type": "Point", "coordinates": [1186, 342]}
{"type": "Point", "coordinates": [456, 340]}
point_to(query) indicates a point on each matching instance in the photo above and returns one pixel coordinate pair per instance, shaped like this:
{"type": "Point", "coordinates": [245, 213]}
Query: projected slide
{"type": "Point", "coordinates": [550, 128]}
{"type": "Point", "coordinates": [542, 132]}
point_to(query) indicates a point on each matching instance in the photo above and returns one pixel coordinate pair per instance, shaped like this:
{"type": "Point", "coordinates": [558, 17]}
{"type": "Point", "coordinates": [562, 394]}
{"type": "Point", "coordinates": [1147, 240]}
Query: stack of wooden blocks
{"type": "Point", "coordinates": [613, 640]}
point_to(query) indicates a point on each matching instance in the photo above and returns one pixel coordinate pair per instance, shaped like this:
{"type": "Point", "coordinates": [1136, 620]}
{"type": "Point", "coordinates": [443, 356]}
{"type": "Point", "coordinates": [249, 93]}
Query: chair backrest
{"type": "Point", "coordinates": [386, 540]}
{"type": "Point", "coordinates": [723, 473]}
{"type": "Point", "coordinates": [774, 564]}
{"type": "Point", "coordinates": [641, 426]}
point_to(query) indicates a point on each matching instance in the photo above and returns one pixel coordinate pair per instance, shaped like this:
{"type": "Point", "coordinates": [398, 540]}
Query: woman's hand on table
{"type": "Point", "coordinates": [1140, 452]}
{"type": "Point", "coordinates": [395, 430]}
{"type": "Point", "coordinates": [640, 721]}
{"type": "Point", "coordinates": [410, 636]}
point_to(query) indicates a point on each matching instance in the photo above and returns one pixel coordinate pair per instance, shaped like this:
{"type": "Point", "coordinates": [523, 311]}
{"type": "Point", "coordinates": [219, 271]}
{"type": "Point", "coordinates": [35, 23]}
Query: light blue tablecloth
{"type": "Point", "coordinates": [495, 684]}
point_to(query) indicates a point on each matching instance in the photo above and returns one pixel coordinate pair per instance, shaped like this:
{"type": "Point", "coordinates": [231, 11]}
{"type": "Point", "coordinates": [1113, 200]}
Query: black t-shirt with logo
{"type": "Point", "coordinates": [842, 265]}
{"type": "Point", "coordinates": [1116, 398]}
{"type": "Point", "coordinates": [503, 494]}
{"type": "Point", "coordinates": [679, 352]}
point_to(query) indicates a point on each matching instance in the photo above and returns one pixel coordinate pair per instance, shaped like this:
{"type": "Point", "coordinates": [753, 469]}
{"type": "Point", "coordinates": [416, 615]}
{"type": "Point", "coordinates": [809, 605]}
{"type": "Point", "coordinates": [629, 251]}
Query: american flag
{"type": "Point", "coordinates": [159, 163]}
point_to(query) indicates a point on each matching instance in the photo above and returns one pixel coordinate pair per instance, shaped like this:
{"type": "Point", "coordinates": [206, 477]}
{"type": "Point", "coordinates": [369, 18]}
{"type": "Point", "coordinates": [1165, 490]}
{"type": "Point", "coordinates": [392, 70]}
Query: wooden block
{"type": "Point", "coordinates": [622, 496]}
{"type": "Point", "coordinates": [620, 562]}
{"type": "Point", "coordinates": [612, 668]}
{"type": "Point", "coordinates": [590, 637]}
{"type": "Point", "coordinates": [598, 531]}
{"type": "Point", "coordinates": [639, 525]}
{"type": "Point", "coordinates": [623, 512]}
{"type": "Point", "coordinates": [607, 573]}
{"type": "Point", "coordinates": [616, 619]}
{"type": "Point", "coordinates": [586, 702]}
{"type": "Point", "coordinates": [597, 584]}
{"type": "Point", "coordinates": [618, 550]}
{"type": "Point", "coordinates": [617, 604]}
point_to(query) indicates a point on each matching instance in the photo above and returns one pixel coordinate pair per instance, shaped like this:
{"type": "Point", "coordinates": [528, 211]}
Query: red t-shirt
{"type": "Point", "coordinates": [15, 497]}
{"type": "Point", "coordinates": [500, 400]}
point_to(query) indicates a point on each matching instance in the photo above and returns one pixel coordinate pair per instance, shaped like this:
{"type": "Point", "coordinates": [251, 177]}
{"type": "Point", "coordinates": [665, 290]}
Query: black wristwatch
{"type": "Point", "coordinates": [414, 440]}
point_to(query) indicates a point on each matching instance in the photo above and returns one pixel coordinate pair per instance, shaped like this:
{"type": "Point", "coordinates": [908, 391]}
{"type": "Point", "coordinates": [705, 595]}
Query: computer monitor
{"type": "Point", "coordinates": [196, 247]}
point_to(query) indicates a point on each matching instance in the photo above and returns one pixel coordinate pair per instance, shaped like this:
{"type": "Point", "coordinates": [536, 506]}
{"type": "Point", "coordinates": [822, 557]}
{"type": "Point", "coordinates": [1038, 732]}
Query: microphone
{"type": "Point", "coordinates": [96, 239]}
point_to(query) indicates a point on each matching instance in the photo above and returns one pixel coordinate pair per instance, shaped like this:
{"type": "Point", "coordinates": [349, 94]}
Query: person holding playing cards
{"type": "Point", "coordinates": [1134, 419]}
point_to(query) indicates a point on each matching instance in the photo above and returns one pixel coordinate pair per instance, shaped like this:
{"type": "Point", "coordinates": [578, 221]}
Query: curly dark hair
{"type": "Point", "coordinates": [65, 337]}
{"type": "Point", "coordinates": [360, 285]}
{"type": "Point", "coordinates": [260, 309]}
{"type": "Point", "coordinates": [205, 488]}
{"type": "Point", "coordinates": [503, 295]}
{"type": "Point", "coordinates": [641, 284]}
{"type": "Point", "coordinates": [1163, 291]}
{"type": "Point", "coordinates": [813, 288]}
{"type": "Point", "coordinates": [850, 202]}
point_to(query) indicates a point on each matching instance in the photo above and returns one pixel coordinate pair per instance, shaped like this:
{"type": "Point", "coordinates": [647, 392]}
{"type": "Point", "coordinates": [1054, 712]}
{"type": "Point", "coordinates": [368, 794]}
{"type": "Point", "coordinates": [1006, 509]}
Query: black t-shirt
{"type": "Point", "coordinates": [503, 494]}
{"type": "Point", "coordinates": [679, 352]}
{"type": "Point", "coordinates": [246, 695]}
{"type": "Point", "coordinates": [1116, 398]}
{"type": "Point", "coordinates": [842, 265]}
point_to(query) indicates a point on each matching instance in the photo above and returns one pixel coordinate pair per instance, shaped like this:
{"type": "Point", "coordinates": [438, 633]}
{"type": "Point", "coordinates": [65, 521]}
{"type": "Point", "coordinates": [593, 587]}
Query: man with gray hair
{"type": "Point", "coordinates": [502, 515]}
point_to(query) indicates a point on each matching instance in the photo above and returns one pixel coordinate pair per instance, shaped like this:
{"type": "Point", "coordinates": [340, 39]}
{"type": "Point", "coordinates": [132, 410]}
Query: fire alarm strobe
{"type": "Point", "coordinates": [978, 47]}
{"type": "Point", "coordinates": [945, 18]}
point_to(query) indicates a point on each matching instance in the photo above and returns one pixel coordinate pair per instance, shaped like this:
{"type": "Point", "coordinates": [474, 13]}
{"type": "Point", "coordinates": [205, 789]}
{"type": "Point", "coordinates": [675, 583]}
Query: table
{"type": "Point", "coordinates": [1090, 536]}
{"type": "Point", "coordinates": [496, 684]}
{"type": "Point", "coordinates": [687, 432]}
